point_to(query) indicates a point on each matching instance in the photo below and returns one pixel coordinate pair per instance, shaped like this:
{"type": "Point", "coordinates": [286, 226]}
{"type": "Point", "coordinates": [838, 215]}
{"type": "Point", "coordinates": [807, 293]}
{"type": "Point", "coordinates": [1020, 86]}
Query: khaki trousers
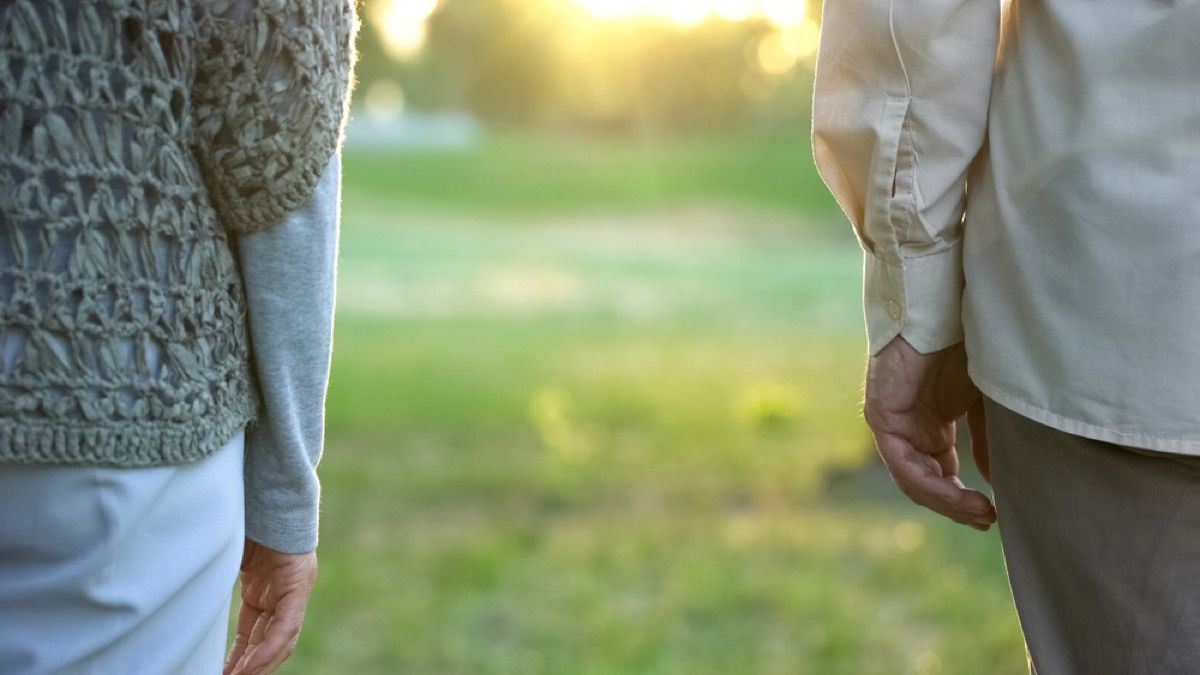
{"type": "Point", "coordinates": [1102, 547]}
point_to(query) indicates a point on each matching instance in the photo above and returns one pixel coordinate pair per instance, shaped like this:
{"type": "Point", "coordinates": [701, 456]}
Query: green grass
{"type": "Point", "coordinates": [522, 175]}
{"type": "Point", "coordinates": [582, 424]}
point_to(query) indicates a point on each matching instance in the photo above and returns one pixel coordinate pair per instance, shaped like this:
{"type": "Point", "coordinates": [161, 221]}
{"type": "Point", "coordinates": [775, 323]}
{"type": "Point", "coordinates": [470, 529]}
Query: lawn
{"type": "Point", "coordinates": [524, 175]}
{"type": "Point", "coordinates": [594, 411]}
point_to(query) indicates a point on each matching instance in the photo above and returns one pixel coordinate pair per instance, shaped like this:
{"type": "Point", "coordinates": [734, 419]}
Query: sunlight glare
{"type": "Point", "coordinates": [609, 9]}
{"type": "Point", "coordinates": [732, 10]}
{"type": "Point", "coordinates": [684, 12]}
{"type": "Point", "coordinates": [778, 52]}
{"type": "Point", "coordinates": [774, 58]}
{"type": "Point", "coordinates": [401, 24]}
{"type": "Point", "coordinates": [782, 13]}
{"type": "Point", "coordinates": [802, 38]}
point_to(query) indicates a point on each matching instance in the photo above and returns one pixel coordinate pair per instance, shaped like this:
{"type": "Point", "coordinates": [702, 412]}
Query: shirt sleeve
{"type": "Point", "coordinates": [900, 101]}
{"type": "Point", "coordinates": [289, 273]}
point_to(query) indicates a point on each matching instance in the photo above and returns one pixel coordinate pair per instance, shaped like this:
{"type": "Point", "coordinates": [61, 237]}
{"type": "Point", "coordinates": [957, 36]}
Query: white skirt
{"type": "Point", "coordinates": [119, 571]}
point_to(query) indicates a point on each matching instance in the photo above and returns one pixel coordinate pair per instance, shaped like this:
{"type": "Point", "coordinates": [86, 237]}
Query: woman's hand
{"type": "Point", "coordinates": [275, 591]}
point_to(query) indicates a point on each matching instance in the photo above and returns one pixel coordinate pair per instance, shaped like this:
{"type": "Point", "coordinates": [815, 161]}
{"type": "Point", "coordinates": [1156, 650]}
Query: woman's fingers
{"type": "Point", "coordinates": [279, 639]}
{"type": "Point", "coordinates": [275, 590]}
{"type": "Point", "coordinates": [248, 616]}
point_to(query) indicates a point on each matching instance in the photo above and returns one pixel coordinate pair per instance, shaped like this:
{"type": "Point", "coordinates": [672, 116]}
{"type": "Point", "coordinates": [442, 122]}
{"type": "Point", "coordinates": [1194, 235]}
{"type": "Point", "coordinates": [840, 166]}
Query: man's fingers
{"type": "Point", "coordinates": [920, 427]}
{"type": "Point", "coordinates": [947, 461]}
{"type": "Point", "coordinates": [976, 500]}
{"type": "Point", "coordinates": [920, 477]}
{"type": "Point", "coordinates": [977, 422]}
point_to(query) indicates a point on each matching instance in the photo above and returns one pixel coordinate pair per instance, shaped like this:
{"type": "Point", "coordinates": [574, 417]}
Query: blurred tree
{"type": "Point", "coordinates": [373, 61]}
{"type": "Point", "coordinates": [496, 58]}
{"type": "Point", "coordinates": [547, 63]}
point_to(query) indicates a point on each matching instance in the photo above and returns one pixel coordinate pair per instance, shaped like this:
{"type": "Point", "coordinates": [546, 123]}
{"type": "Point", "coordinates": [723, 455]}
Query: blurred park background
{"type": "Point", "coordinates": [598, 362]}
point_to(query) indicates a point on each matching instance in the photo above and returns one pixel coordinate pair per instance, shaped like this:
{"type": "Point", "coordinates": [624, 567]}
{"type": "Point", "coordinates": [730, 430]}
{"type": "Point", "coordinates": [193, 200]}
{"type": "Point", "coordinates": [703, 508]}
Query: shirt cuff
{"type": "Point", "coordinates": [294, 531]}
{"type": "Point", "coordinates": [918, 298]}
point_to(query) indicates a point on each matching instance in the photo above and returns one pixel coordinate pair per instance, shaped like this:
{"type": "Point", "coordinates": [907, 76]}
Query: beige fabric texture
{"type": "Point", "coordinates": [130, 127]}
{"type": "Point", "coordinates": [1022, 177]}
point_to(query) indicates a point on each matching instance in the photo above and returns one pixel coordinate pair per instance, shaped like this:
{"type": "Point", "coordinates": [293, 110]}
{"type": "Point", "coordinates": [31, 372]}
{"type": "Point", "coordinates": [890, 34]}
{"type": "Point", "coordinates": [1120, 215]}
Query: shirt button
{"type": "Point", "coordinates": [893, 310]}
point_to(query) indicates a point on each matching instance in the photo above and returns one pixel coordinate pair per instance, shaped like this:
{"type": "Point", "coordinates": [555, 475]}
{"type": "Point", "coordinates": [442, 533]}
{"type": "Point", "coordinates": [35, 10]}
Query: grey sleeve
{"type": "Point", "coordinates": [289, 272]}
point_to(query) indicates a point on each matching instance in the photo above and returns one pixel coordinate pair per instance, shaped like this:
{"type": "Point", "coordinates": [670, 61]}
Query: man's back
{"type": "Point", "coordinates": [1022, 179]}
{"type": "Point", "coordinates": [1070, 268]}
{"type": "Point", "coordinates": [1081, 244]}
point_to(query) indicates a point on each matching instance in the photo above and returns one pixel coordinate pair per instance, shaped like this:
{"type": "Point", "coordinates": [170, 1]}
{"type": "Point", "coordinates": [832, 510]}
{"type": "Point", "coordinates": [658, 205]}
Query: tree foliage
{"type": "Point", "coordinates": [546, 63]}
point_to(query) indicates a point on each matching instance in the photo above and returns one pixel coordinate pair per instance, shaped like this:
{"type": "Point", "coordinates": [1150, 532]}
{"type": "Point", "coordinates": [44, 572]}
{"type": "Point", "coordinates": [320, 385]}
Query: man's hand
{"type": "Point", "coordinates": [912, 402]}
{"type": "Point", "coordinates": [275, 590]}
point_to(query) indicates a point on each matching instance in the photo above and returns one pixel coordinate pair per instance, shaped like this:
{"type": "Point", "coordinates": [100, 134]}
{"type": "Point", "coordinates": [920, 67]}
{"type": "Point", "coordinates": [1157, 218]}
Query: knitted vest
{"type": "Point", "coordinates": [138, 138]}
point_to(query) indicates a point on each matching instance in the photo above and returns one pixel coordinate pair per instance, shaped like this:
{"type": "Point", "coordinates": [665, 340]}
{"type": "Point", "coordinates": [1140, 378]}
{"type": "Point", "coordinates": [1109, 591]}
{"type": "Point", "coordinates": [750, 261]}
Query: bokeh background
{"type": "Point", "coordinates": [595, 402]}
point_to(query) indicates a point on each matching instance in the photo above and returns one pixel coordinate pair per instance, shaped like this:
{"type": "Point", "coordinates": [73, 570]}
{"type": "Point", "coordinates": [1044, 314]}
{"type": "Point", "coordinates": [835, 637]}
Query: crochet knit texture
{"type": "Point", "coordinates": [130, 129]}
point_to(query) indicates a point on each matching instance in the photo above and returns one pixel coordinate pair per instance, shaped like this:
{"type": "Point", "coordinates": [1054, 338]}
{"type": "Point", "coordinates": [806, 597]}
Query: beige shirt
{"type": "Point", "coordinates": [1025, 177]}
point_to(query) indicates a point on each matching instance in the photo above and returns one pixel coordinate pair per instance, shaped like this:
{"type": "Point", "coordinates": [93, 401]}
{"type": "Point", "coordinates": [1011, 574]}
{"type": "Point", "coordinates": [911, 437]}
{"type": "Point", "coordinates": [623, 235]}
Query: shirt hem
{"type": "Point", "coordinates": [1139, 441]}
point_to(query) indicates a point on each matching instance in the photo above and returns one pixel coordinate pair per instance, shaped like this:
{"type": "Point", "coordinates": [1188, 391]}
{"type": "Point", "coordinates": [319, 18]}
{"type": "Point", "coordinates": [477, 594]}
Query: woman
{"type": "Point", "coordinates": [169, 182]}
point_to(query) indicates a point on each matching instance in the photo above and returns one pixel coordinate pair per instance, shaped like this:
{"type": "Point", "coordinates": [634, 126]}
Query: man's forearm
{"type": "Point", "coordinates": [900, 107]}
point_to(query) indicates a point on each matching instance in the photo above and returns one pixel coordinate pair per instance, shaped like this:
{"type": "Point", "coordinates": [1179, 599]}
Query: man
{"type": "Point", "coordinates": [1023, 180]}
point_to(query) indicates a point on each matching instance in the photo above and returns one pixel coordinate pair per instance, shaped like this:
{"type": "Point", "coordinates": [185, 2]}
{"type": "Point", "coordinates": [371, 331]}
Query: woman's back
{"type": "Point", "coordinates": [135, 135]}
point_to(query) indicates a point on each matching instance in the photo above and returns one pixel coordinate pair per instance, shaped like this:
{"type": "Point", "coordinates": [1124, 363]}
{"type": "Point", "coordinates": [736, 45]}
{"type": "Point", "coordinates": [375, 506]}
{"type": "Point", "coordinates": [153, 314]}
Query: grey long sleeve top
{"type": "Point", "coordinates": [290, 298]}
{"type": "Point", "coordinates": [290, 278]}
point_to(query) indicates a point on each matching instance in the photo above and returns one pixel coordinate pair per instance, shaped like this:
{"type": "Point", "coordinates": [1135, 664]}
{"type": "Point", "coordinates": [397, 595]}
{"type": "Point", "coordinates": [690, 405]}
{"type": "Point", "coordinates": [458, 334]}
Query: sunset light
{"type": "Point", "coordinates": [689, 12]}
{"type": "Point", "coordinates": [401, 24]}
